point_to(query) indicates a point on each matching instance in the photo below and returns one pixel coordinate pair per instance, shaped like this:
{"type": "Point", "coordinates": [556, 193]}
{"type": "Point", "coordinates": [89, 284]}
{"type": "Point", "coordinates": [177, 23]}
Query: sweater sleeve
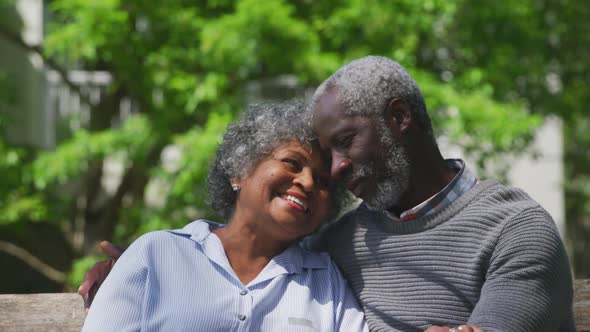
{"type": "Point", "coordinates": [528, 283]}
{"type": "Point", "coordinates": [118, 303]}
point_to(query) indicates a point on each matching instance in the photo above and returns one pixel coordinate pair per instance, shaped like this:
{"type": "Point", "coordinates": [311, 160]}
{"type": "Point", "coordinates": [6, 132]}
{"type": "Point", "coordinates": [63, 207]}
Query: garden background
{"type": "Point", "coordinates": [110, 110]}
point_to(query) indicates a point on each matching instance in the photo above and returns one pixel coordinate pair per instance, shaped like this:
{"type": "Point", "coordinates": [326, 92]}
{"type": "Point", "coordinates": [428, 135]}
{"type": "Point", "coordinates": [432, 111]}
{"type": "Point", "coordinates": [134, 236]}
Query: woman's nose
{"type": "Point", "coordinates": [305, 179]}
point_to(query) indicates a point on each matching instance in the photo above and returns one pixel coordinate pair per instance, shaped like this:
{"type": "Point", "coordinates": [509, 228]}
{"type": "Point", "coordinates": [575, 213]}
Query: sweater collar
{"type": "Point", "coordinates": [367, 214]}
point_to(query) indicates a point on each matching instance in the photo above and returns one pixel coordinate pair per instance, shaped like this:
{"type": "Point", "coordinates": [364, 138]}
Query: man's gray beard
{"type": "Point", "coordinates": [393, 182]}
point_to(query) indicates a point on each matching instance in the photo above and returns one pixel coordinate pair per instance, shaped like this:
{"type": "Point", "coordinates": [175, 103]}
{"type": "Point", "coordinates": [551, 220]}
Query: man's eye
{"type": "Point", "coordinates": [345, 141]}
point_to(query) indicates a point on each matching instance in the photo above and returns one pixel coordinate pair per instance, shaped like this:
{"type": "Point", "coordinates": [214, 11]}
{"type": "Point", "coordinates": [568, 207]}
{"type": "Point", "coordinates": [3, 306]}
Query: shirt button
{"type": "Point", "coordinates": [243, 292]}
{"type": "Point", "coordinates": [241, 317]}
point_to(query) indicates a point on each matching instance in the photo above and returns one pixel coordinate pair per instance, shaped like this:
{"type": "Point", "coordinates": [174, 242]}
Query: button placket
{"type": "Point", "coordinates": [246, 306]}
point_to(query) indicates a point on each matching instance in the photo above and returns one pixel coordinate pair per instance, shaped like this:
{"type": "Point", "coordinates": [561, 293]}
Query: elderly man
{"type": "Point", "coordinates": [431, 244]}
{"type": "Point", "coordinates": [431, 247]}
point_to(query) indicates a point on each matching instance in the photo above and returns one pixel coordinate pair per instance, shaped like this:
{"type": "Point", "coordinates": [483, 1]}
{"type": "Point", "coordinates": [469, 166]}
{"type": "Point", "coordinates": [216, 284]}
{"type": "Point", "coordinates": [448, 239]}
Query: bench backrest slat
{"type": "Point", "coordinates": [65, 312]}
{"type": "Point", "coordinates": [61, 312]}
{"type": "Point", "coordinates": [582, 304]}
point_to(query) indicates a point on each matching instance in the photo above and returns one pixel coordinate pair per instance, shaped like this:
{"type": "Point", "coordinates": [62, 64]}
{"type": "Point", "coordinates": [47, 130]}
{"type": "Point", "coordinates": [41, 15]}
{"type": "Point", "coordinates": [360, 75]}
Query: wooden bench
{"type": "Point", "coordinates": [65, 312]}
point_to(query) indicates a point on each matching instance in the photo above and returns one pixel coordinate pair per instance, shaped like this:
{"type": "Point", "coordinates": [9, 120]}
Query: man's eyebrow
{"type": "Point", "coordinates": [324, 151]}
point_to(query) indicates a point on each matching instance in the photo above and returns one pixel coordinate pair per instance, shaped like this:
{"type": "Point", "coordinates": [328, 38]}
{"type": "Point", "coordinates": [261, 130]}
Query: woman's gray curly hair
{"type": "Point", "coordinates": [258, 132]}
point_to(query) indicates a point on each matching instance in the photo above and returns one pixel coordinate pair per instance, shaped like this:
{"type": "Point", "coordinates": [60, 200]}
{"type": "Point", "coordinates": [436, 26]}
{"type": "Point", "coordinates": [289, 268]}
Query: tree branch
{"type": "Point", "coordinates": [18, 41]}
{"type": "Point", "coordinates": [33, 261]}
{"type": "Point", "coordinates": [135, 178]}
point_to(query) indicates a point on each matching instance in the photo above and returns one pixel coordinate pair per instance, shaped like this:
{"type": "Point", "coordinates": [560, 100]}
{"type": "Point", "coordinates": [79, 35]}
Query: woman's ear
{"type": "Point", "coordinates": [235, 183]}
{"type": "Point", "coordinates": [398, 115]}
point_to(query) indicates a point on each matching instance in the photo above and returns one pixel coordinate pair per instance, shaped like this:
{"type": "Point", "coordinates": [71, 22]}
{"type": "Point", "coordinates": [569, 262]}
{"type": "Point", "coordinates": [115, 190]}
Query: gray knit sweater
{"type": "Point", "coordinates": [493, 258]}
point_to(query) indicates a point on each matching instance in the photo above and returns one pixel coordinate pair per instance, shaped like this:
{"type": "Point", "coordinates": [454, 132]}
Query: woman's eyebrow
{"type": "Point", "coordinates": [294, 153]}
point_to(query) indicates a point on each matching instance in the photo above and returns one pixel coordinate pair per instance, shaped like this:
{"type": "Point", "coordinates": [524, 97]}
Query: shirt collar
{"type": "Point", "coordinates": [460, 184]}
{"type": "Point", "coordinates": [198, 230]}
{"type": "Point", "coordinates": [293, 260]}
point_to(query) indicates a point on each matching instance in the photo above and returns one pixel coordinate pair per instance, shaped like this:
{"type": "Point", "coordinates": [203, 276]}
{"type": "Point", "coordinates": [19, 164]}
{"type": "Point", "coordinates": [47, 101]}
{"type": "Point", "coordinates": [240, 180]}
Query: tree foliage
{"type": "Point", "coordinates": [489, 70]}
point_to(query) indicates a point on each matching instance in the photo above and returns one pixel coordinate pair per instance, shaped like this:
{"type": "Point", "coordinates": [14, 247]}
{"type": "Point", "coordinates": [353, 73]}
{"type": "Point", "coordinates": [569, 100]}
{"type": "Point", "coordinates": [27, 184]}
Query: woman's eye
{"type": "Point", "coordinates": [292, 163]}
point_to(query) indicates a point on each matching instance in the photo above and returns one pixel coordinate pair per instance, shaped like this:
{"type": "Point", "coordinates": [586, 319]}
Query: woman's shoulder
{"type": "Point", "coordinates": [199, 228]}
{"type": "Point", "coordinates": [196, 231]}
{"type": "Point", "coordinates": [314, 259]}
{"type": "Point", "coordinates": [319, 261]}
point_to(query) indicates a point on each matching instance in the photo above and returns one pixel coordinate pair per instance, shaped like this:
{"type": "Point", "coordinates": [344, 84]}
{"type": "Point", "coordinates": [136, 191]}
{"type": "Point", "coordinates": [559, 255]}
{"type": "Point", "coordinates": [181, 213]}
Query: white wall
{"type": "Point", "coordinates": [540, 176]}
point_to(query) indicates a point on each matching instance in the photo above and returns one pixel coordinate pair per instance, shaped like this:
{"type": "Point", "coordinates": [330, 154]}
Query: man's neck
{"type": "Point", "coordinates": [429, 174]}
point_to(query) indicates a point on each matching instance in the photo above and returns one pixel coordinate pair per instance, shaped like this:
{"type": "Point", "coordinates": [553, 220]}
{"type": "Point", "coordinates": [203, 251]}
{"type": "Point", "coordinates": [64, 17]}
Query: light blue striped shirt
{"type": "Point", "coordinates": [181, 280]}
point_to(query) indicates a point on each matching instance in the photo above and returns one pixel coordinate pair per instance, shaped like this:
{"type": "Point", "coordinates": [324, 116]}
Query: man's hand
{"type": "Point", "coordinates": [462, 328]}
{"type": "Point", "coordinates": [98, 273]}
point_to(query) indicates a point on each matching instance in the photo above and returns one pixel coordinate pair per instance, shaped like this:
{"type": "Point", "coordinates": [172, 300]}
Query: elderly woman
{"type": "Point", "coordinates": [272, 187]}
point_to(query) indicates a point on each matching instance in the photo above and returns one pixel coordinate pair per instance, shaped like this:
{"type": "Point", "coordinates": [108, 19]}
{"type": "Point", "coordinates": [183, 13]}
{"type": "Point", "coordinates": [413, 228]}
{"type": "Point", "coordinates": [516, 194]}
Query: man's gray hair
{"type": "Point", "coordinates": [367, 85]}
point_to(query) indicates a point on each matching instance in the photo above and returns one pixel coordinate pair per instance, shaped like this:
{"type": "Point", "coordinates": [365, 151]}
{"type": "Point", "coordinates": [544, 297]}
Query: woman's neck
{"type": "Point", "coordinates": [247, 248]}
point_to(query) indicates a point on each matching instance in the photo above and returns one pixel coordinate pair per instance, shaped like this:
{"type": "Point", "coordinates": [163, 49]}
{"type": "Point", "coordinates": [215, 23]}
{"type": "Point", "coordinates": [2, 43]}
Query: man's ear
{"type": "Point", "coordinates": [398, 115]}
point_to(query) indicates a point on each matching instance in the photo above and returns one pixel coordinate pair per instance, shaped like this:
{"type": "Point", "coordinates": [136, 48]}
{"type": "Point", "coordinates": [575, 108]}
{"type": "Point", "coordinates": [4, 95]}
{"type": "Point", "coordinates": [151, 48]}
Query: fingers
{"type": "Point", "coordinates": [462, 328]}
{"type": "Point", "coordinates": [90, 279]}
{"type": "Point", "coordinates": [83, 290]}
{"type": "Point", "coordinates": [98, 273]}
{"type": "Point", "coordinates": [437, 329]}
{"type": "Point", "coordinates": [85, 286]}
{"type": "Point", "coordinates": [110, 250]}
{"type": "Point", "coordinates": [92, 293]}
{"type": "Point", "coordinates": [93, 279]}
{"type": "Point", "coordinates": [466, 328]}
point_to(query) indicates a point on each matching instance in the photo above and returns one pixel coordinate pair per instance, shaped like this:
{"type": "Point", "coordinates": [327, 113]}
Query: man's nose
{"type": "Point", "coordinates": [340, 164]}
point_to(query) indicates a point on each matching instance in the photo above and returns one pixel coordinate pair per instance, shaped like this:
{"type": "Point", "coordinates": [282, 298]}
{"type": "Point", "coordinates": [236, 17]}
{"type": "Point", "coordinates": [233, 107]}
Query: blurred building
{"type": "Point", "coordinates": [44, 109]}
{"type": "Point", "coordinates": [24, 75]}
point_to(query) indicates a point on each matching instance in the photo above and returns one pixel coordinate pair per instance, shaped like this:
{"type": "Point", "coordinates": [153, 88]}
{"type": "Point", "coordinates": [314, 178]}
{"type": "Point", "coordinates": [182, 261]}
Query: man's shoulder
{"type": "Point", "coordinates": [507, 206]}
{"type": "Point", "coordinates": [344, 224]}
{"type": "Point", "coordinates": [496, 195]}
{"type": "Point", "coordinates": [343, 228]}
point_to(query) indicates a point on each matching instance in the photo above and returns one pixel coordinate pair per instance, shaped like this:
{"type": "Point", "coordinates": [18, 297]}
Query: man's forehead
{"type": "Point", "coordinates": [328, 99]}
{"type": "Point", "coordinates": [326, 110]}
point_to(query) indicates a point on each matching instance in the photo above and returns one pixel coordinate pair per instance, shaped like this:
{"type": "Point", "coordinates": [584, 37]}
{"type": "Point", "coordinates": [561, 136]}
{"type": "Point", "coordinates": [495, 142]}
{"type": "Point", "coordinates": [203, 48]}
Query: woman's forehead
{"type": "Point", "coordinates": [295, 146]}
{"type": "Point", "coordinates": [309, 150]}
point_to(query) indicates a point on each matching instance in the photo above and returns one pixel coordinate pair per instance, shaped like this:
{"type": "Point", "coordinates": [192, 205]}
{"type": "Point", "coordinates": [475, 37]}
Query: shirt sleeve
{"type": "Point", "coordinates": [349, 316]}
{"type": "Point", "coordinates": [118, 303]}
{"type": "Point", "coordinates": [528, 283]}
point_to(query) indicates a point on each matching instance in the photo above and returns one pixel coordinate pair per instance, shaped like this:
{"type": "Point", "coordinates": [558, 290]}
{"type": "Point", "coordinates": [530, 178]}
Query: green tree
{"type": "Point", "coordinates": [532, 50]}
{"type": "Point", "coordinates": [188, 68]}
